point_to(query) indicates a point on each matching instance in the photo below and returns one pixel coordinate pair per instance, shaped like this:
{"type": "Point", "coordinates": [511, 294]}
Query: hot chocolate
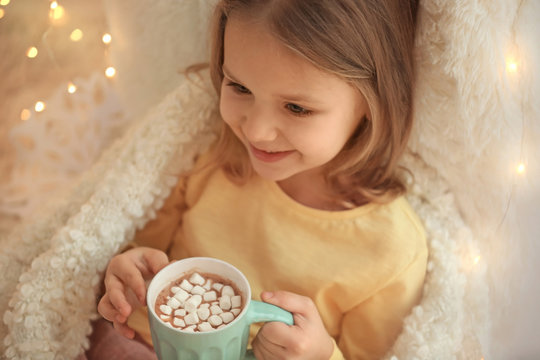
{"type": "Point", "coordinates": [199, 302]}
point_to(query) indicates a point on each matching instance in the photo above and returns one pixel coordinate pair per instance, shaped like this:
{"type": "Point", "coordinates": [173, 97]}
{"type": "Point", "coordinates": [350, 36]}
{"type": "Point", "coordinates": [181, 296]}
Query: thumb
{"type": "Point", "coordinates": [294, 303]}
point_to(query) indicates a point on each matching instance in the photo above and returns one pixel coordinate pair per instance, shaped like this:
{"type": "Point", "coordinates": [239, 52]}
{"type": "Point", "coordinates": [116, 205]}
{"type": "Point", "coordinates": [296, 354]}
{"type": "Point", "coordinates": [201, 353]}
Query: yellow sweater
{"type": "Point", "coordinates": [364, 268]}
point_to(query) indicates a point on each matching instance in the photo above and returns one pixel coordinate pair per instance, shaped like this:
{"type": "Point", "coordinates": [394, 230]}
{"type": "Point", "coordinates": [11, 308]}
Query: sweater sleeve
{"type": "Point", "coordinates": [370, 328]}
{"type": "Point", "coordinates": [159, 232]}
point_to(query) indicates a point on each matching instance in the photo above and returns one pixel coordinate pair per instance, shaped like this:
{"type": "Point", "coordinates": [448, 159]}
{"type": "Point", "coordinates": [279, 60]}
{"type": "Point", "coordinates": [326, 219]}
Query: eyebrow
{"type": "Point", "coordinates": [287, 97]}
{"type": "Point", "coordinates": [227, 73]}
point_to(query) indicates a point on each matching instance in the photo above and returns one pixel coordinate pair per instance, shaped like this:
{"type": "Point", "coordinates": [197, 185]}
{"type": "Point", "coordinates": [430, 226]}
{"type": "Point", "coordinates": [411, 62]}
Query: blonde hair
{"type": "Point", "coordinates": [369, 44]}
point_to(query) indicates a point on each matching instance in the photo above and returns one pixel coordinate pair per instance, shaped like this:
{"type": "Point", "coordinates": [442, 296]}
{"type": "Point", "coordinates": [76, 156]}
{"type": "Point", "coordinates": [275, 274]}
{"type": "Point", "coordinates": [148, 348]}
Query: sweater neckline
{"type": "Point", "coordinates": [289, 202]}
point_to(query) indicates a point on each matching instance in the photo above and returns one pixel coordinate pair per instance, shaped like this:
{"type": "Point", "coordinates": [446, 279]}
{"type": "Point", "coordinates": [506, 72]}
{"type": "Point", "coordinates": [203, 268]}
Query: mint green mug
{"type": "Point", "coordinates": [227, 343]}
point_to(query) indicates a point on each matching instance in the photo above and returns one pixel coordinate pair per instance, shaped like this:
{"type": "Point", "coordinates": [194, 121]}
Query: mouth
{"type": "Point", "coordinates": [269, 156]}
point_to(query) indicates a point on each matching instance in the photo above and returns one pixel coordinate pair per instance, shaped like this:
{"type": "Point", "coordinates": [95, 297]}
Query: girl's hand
{"type": "Point", "coordinates": [306, 339]}
{"type": "Point", "coordinates": [125, 288]}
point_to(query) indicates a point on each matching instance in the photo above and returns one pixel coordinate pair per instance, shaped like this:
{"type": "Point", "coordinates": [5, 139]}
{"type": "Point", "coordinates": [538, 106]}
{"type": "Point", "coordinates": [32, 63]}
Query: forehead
{"type": "Point", "coordinates": [253, 56]}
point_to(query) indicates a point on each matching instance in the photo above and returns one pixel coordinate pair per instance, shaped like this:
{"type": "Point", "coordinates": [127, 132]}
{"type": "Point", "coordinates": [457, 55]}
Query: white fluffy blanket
{"type": "Point", "coordinates": [52, 267]}
{"type": "Point", "coordinates": [470, 110]}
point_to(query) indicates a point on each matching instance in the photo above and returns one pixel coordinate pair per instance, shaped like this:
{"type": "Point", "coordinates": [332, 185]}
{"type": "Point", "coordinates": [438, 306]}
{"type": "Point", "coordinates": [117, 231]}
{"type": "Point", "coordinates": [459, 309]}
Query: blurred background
{"type": "Point", "coordinates": [41, 50]}
{"type": "Point", "coordinates": [53, 59]}
{"type": "Point", "coordinates": [56, 55]}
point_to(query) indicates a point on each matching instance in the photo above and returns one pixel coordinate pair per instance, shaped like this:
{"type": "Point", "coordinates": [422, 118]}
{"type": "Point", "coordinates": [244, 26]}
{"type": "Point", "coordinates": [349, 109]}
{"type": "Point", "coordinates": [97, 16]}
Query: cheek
{"type": "Point", "coordinates": [227, 109]}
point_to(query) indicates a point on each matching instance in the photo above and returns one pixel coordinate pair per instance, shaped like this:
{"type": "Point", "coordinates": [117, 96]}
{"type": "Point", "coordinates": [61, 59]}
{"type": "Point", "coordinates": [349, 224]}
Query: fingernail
{"type": "Point", "coordinates": [267, 294]}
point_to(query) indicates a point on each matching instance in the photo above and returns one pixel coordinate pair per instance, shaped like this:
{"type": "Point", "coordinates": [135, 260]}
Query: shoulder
{"type": "Point", "coordinates": [392, 234]}
{"type": "Point", "coordinates": [396, 222]}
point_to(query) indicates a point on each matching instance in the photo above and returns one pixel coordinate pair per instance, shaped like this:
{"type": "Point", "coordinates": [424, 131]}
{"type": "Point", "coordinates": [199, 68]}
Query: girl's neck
{"type": "Point", "coordinates": [313, 192]}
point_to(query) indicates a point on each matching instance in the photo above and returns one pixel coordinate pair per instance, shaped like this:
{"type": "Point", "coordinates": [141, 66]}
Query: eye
{"type": "Point", "coordinates": [297, 110]}
{"type": "Point", "coordinates": [239, 89]}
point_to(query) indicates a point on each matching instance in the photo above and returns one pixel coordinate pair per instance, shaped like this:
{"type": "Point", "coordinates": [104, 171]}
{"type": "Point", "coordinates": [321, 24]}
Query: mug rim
{"type": "Point", "coordinates": [197, 259]}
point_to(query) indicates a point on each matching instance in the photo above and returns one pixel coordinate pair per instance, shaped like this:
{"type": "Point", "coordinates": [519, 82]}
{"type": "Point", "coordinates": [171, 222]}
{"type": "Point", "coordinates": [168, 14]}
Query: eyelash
{"type": "Point", "coordinates": [239, 89]}
{"type": "Point", "coordinates": [296, 110]}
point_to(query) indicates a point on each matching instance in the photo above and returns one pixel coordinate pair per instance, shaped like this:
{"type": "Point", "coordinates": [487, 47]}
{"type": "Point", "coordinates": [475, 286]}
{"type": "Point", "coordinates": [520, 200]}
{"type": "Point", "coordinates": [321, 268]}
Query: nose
{"type": "Point", "coordinates": [259, 125]}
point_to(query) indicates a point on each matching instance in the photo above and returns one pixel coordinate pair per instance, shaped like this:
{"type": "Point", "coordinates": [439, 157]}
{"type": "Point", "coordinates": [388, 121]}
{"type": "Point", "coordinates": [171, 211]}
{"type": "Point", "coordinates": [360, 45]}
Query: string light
{"type": "Point", "coordinates": [2, 13]}
{"type": "Point", "coordinates": [4, 2]}
{"type": "Point", "coordinates": [71, 88]}
{"type": "Point", "coordinates": [57, 16]}
{"type": "Point", "coordinates": [107, 38]}
{"type": "Point", "coordinates": [477, 259]}
{"type": "Point", "coordinates": [56, 13]}
{"type": "Point", "coordinates": [110, 72]}
{"type": "Point", "coordinates": [520, 168]}
{"type": "Point", "coordinates": [40, 106]}
{"type": "Point", "coordinates": [32, 52]}
{"type": "Point", "coordinates": [25, 114]}
{"type": "Point", "coordinates": [76, 35]}
{"type": "Point", "coordinates": [511, 66]}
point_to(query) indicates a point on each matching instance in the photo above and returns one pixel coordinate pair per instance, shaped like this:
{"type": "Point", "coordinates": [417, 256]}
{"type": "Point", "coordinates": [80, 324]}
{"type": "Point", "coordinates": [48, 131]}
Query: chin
{"type": "Point", "coordinates": [271, 175]}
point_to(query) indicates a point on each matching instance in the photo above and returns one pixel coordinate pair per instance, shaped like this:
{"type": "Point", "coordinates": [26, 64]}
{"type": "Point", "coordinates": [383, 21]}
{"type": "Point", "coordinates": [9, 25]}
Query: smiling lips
{"type": "Point", "coordinates": [269, 156]}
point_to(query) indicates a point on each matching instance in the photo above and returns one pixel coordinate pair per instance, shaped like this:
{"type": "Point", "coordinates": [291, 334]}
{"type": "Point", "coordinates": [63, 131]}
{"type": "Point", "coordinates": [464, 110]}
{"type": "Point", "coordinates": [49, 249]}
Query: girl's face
{"type": "Point", "coordinates": [292, 117]}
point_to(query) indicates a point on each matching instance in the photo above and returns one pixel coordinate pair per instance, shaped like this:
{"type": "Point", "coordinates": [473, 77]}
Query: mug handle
{"type": "Point", "coordinates": [260, 311]}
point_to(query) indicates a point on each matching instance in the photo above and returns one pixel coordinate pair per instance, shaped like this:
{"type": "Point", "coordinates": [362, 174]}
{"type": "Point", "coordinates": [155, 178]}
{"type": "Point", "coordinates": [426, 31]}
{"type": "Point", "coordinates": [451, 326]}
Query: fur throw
{"type": "Point", "coordinates": [52, 268]}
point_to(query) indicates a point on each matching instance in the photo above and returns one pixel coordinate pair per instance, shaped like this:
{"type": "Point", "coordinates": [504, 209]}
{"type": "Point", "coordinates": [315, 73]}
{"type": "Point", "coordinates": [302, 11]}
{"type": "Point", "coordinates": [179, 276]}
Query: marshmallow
{"type": "Point", "coordinates": [173, 303]}
{"type": "Point", "coordinates": [225, 302]}
{"type": "Point", "coordinates": [180, 312]}
{"type": "Point", "coordinates": [227, 317]}
{"type": "Point", "coordinates": [179, 322]}
{"type": "Point", "coordinates": [236, 301]}
{"type": "Point", "coordinates": [204, 326]}
{"type": "Point", "coordinates": [186, 285]}
{"type": "Point", "coordinates": [193, 303]}
{"type": "Point", "coordinates": [198, 290]}
{"type": "Point", "coordinates": [165, 309]}
{"type": "Point", "coordinates": [175, 289]}
{"type": "Point", "coordinates": [217, 286]}
{"type": "Point", "coordinates": [236, 311]}
{"type": "Point", "coordinates": [191, 318]}
{"type": "Point", "coordinates": [208, 284]}
{"type": "Point", "coordinates": [190, 328]}
{"type": "Point", "coordinates": [197, 279]}
{"type": "Point", "coordinates": [181, 295]}
{"type": "Point", "coordinates": [215, 310]}
{"type": "Point", "coordinates": [210, 296]}
{"type": "Point", "coordinates": [204, 305]}
{"type": "Point", "coordinates": [227, 291]}
{"type": "Point", "coordinates": [164, 317]}
{"type": "Point", "coordinates": [215, 320]}
{"type": "Point", "coordinates": [203, 313]}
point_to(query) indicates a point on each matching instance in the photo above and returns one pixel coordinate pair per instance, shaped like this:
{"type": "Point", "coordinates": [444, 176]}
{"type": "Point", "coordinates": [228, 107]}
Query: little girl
{"type": "Point", "coordinates": [302, 192]}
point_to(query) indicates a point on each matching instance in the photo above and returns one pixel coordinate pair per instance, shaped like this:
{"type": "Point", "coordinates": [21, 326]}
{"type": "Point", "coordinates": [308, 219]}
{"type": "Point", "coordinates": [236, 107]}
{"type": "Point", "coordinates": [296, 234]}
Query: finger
{"type": "Point", "coordinates": [106, 309]}
{"type": "Point", "coordinates": [271, 338]}
{"type": "Point", "coordinates": [264, 350]}
{"type": "Point", "coordinates": [117, 296]}
{"type": "Point", "coordinates": [302, 307]}
{"type": "Point", "coordinates": [278, 336]}
{"type": "Point", "coordinates": [127, 273]}
{"type": "Point", "coordinates": [155, 260]}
